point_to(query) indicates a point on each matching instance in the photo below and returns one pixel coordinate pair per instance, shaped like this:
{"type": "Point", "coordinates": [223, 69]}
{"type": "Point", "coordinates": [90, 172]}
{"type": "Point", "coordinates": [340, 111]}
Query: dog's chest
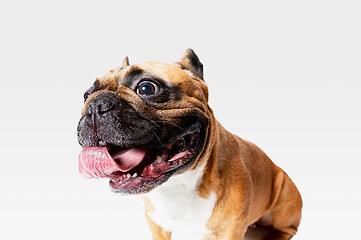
{"type": "Point", "coordinates": [179, 209]}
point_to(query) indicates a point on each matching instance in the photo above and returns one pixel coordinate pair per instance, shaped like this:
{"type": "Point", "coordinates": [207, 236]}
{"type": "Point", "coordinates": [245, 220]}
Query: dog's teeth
{"type": "Point", "coordinates": [102, 143]}
{"type": "Point", "coordinates": [135, 175]}
{"type": "Point", "coordinates": [158, 159]}
{"type": "Point", "coordinates": [128, 175]}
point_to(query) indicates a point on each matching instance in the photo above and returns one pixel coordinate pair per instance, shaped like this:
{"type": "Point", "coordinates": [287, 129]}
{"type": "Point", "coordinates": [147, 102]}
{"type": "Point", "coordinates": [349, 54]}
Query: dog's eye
{"type": "Point", "coordinates": [147, 88]}
{"type": "Point", "coordinates": [86, 95]}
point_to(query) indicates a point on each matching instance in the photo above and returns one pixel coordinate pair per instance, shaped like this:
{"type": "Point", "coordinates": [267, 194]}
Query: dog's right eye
{"type": "Point", "coordinates": [96, 86]}
{"type": "Point", "coordinates": [86, 95]}
{"type": "Point", "coordinates": [147, 88]}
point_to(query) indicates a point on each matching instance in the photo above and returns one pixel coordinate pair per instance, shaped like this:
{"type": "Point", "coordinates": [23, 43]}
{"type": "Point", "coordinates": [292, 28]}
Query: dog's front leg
{"type": "Point", "coordinates": [158, 233]}
{"type": "Point", "coordinates": [232, 230]}
{"type": "Point", "coordinates": [230, 221]}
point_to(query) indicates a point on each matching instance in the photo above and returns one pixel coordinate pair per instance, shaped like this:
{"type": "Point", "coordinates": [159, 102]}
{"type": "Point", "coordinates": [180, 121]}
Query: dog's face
{"type": "Point", "coordinates": [143, 123]}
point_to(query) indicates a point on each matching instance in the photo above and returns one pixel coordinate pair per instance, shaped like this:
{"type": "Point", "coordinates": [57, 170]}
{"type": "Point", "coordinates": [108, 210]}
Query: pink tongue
{"type": "Point", "coordinates": [96, 162]}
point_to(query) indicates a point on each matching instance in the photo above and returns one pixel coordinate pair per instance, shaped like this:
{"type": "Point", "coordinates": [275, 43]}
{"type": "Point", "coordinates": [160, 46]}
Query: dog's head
{"type": "Point", "coordinates": [143, 123]}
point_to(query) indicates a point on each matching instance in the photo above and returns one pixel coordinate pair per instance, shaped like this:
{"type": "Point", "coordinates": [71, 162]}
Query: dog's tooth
{"type": "Point", "coordinates": [135, 175]}
{"type": "Point", "coordinates": [158, 159]}
{"type": "Point", "coordinates": [102, 143]}
{"type": "Point", "coordinates": [128, 175]}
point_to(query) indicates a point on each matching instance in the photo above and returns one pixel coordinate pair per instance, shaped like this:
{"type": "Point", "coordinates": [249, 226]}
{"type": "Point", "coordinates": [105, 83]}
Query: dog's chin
{"type": "Point", "coordinates": [139, 170]}
{"type": "Point", "coordinates": [158, 165]}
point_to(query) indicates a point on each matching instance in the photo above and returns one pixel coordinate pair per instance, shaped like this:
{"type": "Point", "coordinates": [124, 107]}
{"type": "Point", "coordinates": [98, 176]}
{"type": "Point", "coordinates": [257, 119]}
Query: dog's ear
{"type": "Point", "coordinates": [125, 62]}
{"type": "Point", "coordinates": [190, 61]}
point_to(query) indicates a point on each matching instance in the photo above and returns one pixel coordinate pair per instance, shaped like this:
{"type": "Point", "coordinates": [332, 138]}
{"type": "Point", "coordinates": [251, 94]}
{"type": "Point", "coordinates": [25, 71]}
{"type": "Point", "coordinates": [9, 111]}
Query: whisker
{"type": "Point", "coordinates": [170, 124]}
{"type": "Point", "coordinates": [156, 136]}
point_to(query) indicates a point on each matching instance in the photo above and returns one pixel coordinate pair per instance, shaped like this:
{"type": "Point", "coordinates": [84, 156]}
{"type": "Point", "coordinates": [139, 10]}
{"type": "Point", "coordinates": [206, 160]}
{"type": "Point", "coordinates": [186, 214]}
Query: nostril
{"type": "Point", "coordinates": [99, 107]}
{"type": "Point", "coordinates": [105, 106]}
{"type": "Point", "coordinates": [102, 103]}
{"type": "Point", "coordinates": [101, 143]}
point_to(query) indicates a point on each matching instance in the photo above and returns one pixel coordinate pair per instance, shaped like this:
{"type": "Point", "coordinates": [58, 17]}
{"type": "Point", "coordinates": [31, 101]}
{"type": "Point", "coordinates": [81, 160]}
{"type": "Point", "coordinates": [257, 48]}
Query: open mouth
{"type": "Point", "coordinates": [138, 170]}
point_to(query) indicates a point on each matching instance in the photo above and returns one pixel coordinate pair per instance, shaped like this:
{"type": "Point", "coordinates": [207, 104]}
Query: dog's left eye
{"type": "Point", "coordinates": [147, 88]}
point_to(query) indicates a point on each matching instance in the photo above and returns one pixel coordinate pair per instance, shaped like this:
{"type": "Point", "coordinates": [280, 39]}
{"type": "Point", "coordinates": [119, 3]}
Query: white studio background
{"type": "Point", "coordinates": [282, 74]}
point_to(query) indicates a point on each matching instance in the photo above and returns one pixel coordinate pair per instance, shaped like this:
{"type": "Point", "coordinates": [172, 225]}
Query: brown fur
{"type": "Point", "coordinates": [248, 186]}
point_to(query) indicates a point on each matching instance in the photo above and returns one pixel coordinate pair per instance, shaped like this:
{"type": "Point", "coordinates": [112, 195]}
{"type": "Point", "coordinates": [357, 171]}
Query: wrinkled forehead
{"type": "Point", "coordinates": [171, 73]}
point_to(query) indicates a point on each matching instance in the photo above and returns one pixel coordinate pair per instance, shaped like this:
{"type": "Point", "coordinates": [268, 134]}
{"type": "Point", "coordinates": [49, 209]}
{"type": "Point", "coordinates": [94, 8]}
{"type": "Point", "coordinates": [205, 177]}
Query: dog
{"type": "Point", "coordinates": [149, 129]}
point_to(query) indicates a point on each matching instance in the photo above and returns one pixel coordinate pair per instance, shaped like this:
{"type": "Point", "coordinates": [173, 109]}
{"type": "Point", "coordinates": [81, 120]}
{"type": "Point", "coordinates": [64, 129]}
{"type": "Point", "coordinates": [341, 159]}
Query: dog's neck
{"type": "Point", "coordinates": [216, 149]}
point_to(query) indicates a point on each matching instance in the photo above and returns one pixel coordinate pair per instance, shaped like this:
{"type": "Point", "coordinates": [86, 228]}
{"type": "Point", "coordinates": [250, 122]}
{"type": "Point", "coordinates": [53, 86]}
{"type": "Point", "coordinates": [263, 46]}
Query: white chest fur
{"type": "Point", "coordinates": [179, 209]}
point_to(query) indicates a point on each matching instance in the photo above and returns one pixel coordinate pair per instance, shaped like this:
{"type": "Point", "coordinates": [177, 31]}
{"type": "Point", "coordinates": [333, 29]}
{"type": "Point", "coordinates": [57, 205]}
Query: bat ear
{"type": "Point", "coordinates": [125, 62]}
{"type": "Point", "coordinates": [190, 61]}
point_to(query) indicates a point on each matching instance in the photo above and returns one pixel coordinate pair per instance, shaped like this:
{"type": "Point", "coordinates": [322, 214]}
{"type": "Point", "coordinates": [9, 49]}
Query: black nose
{"type": "Point", "coordinates": [102, 103]}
